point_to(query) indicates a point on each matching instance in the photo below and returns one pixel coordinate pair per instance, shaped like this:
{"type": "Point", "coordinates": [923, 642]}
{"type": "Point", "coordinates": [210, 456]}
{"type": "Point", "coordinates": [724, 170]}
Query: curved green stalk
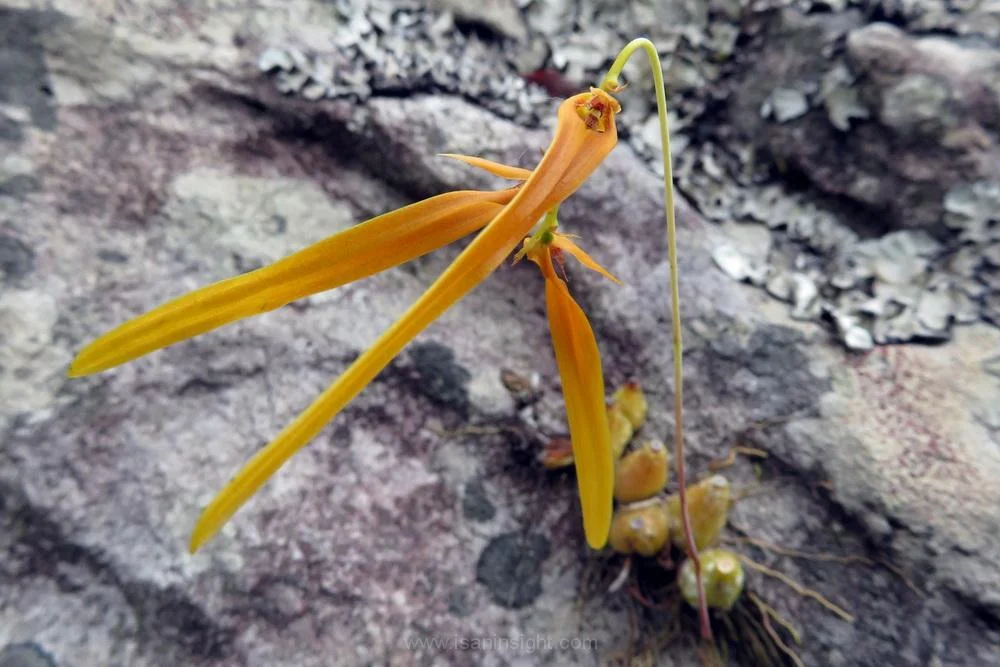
{"type": "Point", "coordinates": [610, 83]}
{"type": "Point", "coordinates": [547, 226]}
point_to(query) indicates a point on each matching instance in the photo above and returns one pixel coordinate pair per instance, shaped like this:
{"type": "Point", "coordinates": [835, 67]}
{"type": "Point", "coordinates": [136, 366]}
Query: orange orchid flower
{"type": "Point", "coordinates": [585, 133]}
{"type": "Point", "coordinates": [579, 363]}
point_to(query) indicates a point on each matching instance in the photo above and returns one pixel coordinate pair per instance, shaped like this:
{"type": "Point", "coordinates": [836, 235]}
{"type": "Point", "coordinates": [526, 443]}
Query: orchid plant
{"type": "Point", "coordinates": [585, 134]}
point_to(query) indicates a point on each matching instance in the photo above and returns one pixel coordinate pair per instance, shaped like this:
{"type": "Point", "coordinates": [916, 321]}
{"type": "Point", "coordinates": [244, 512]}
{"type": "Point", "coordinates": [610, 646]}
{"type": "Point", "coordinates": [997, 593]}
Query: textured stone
{"type": "Point", "coordinates": [500, 15]}
{"type": "Point", "coordinates": [438, 376]}
{"type": "Point", "coordinates": [476, 505]}
{"type": "Point", "coordinates": [511, 568]}
{"type": "Point", "coordinates": [25, 655]}
{"type": "Point", "coordinates": [933, 124]}
{"type": "Point", "coordinates": [17, 259]}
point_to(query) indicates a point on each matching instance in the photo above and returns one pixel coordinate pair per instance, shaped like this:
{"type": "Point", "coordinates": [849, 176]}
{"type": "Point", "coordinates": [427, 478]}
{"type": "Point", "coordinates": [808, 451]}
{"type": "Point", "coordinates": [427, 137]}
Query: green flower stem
{"type": "Point", "coordinates": [547, 227]}
{"type": "Point", "coordinates": [611, 84]}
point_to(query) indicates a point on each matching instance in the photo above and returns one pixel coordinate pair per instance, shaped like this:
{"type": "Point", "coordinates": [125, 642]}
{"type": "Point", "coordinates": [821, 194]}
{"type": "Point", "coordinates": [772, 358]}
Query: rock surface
{"type": "Point", "coordinates": [144, 153]}
{"type": "Point", "coordinates": [893, 120]}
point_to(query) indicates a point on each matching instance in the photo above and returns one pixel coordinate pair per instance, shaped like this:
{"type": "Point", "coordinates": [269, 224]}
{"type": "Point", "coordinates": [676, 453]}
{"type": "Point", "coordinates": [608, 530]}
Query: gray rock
{"type": "Point", "coordinates": [25, 82]}
{"type": "Point", "coordinates": [785, 104]}
{"type": "Point", "coordinates": [934, 311]}
{"type": "Point", "coordinates": [476, 505]}
{"type": "Point", "coordinates": [841, 99]}
{"type": "Point", "coordinates": [992, 255]}
{"type": "Point", "coordinates": [17, 259]}
{"type": "Point", "coordinates": [737, 266]}
{"type": "Point", "coordinates": [971, 209]}
{"type": "Point", "coordinates": [933, 108]}
{"type": "Point", "coordinates": [549, 17]}
{"type": "Point", "coordinates": [854, 336]}
{"type": "Point", "coordinates": [439, 376]}
{"type": "Point", "coordinates": [917, 104]}
{"type": "Point", "coordinates": [896, 259]}
{"type": "Point", "coordinates": [858, 338]}
{"type": "Point", "coordinates": [501, 16]}
{"type": "Point", "coordinates": [275, 59]}
{"type": "Point", "coordinates": [781, 286]}
{"type": "Point", "coordinates": [511, 568]}
{"type": "Point", "coordinates": [805, 297]}
{"type": "Point", "coordinates": [25, 655]}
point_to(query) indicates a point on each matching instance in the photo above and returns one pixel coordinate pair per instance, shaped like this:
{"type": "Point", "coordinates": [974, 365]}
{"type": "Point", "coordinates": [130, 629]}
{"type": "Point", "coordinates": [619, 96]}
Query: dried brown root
{"type": "Point", "coordinates": [794, 553]}
{"type": "Point", "coordinates": [747, 633]}
{"type": "Point", "coordinates": [599, 571]}
{"type": "Point", "coordinates": [632, 653]}
{"type": "Point", "coordinates": [748, 491]}
{"type": "Point", "coordinates": [730, 458]}
{"type": "Point", "coordinates": [785, 623]}
{"type": "Point", "coordinates": [766, 614]}
{"type": "Point", "coordinates": [828, 557]}
{"type": "Point", "coordinates": [642, 650]}
{"type": "Point", "coordinates": [896, 570]}
{"type": "Point", "coordinates": [634, 636]}
{"type": "Point", "coordinates": [804, 591]}
{"type": "Point", "coordinates": [641, 598]}
{"type": "Point", "coordinates": [762, 424]}
{"type": "Point", "coordinates": [709, 655]}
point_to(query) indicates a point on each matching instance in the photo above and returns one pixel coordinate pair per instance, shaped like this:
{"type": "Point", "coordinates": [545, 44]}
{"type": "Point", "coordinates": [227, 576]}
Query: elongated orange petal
{"type": "Point", "coordinates": [579, 364]}
{"type": "Point", "coordinates": [495, 168]}
{"type": "Point", "coordinates": [573, 155]}
{"type": "Point", "coordinates": [355, 253]}
{"type": "Point", "coordinates": [566, 244]}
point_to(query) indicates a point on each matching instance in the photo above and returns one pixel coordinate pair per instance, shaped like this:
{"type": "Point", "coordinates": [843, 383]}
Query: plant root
{"type": "Point", "coordinates": [730, 458]}
{"type": "Point", "coordinates": [804, 591]}
{"type": "Point", "coordinates": [766, 614]}
{"type": "Point", "coordinates": [828, 557]}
